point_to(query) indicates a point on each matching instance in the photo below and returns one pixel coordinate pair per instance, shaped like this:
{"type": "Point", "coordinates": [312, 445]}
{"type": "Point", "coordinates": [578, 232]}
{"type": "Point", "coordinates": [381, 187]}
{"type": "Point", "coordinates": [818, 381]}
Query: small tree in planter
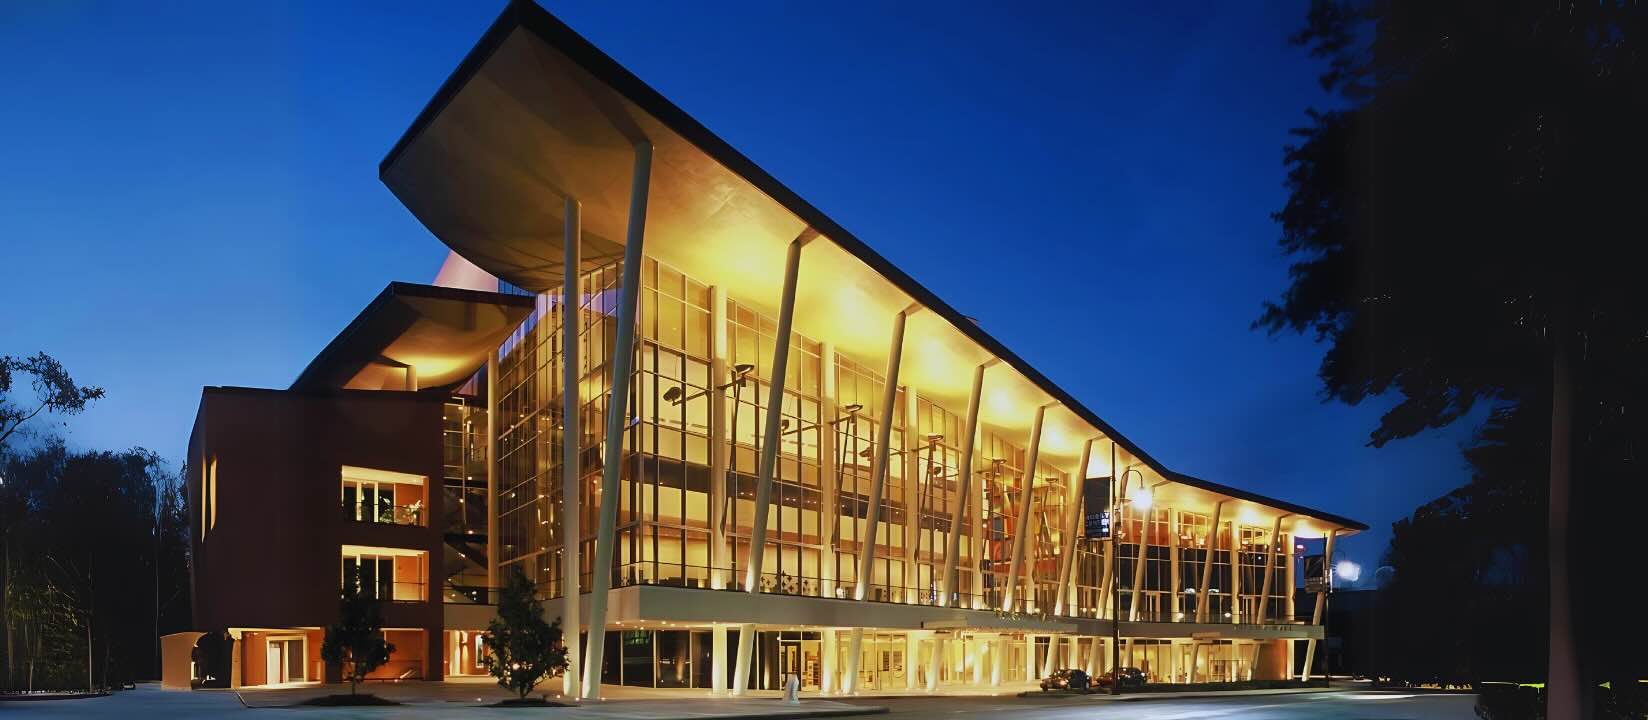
{"type": "Point", "coordinates": [356, 642]}
{"type": "Point", "coordinates": [522, 649]}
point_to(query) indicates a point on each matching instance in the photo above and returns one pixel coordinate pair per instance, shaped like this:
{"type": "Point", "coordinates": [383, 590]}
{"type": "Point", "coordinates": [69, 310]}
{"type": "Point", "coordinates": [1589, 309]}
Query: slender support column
{"type": "Point", "coordinates": [1021, 530]}
{"type": "Point", "coordinates": [1175, 587]}
{"type": "Point", "coordinates": [1065, 602]}
{"type": "Point", "coordinates": [1235, 588]}
{"type": "Point", "coordinates": [1292, 579]}
{"type": "Point", "coordinates": [855, 652]}
{"type": "Point", "coordinates": [1203, 600]}
{"type": "Point", "coordinates": [769, 453]}
{"type": "Point", "coordinates": [878, 469]}
{"type": "Point", "coordinates": [1050, 663]}
{"type": "Point", "coordinates": [964, 495]}
{"type": "Point", "coordinates": [718, 659]}
{"type": "Point", "coordinates": [998, 655]}
{"type": "Point", "coordinates": [1270, 572]}
{"type": "Point", "coordinates": [976, 653]}
{"type": "Point", "coordinates": [914, 479]}
{"type": "Point", "coordinates": [1321, 603]}
{"type": "Point", "coordinates": [828, 518]}
{"type": "Point", "coordinates": [1139, 562]}
{"type": "Point", "coordinates": [912, 658]}
{"type": "Point", "coordinates": [935, 662]}
{"type": "Point", "coordinates": [829, 667]}
{"type": "Point", "coordinates": [1030, 656]}
{"type": "Point", "coordinates": [612, 460]}
{"type": "Point", "coordinates": [1094, 651]}
{"type": "Point", "coordinates": [492, 393]}
{"type": "Point", "coordinates": [572, 533]}
{"type": "Point", "coordinates": [720, 447]}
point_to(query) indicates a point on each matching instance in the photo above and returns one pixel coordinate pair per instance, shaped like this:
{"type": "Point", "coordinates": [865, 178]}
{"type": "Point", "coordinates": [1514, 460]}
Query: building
{"type": "Point", "coordinates": [910, 516]}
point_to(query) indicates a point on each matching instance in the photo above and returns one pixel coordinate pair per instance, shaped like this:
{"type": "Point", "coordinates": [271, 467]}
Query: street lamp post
{"type": "Point", "coordinates": [1116, 578]}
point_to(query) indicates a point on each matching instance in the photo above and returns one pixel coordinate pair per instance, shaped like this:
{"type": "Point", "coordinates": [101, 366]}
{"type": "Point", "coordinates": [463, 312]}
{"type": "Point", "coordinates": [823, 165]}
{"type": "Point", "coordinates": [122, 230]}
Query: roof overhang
{"type": "Point", "coordinates": [415, 337]}
{"type": "Point", "coordinates": [535, 115]}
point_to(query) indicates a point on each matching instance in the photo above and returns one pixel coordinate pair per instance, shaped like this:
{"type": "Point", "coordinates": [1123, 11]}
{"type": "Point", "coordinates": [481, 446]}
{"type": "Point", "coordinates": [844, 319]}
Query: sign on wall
{"type": "Point", "coordinates": [1096, 500]}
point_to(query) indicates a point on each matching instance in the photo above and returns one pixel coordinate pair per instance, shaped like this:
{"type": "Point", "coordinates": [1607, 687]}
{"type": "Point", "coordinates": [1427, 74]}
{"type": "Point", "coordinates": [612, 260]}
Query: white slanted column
{"type": "Point", "coordinates": [720, 441]}
{"type": "Point", "coordinates": [1064, 604]}
{"type": "Point", "coordinates": [935, 662]}
{"type": "Point", "coordinates": [1204, 602]}
{"type": "Point", "coordinates": [828, 667]}
{"type": "Point", "coordinates": [878, 469]}
{"type": "Point", "coordinates": [829, 519]}
{"type": "Point", "coordinates": [1050, 662]}
{"type": "Point", "coordinates": [914, 480]}
{"type": "Point", "coordinates": [855, 653]}
{"type": "Point", "coordinates": [1030, 656]}
{"type": "Point", "coordinates": [977, 656]}
{"type": "Point", "coordinates": [998, 657]}
{"type": "Point", "coordinates": [612, 459]}
{"type": "Point", "coordinates": [1321, 604]}
{"type": "Point", "coordinates": [912, 658]}
{"type": "Point", "coordinates": [492, 479]}
{"type": "Point", "coordinates": [1140, 560]}
{"type": "Point", "coordinates": [1235, 588]}
{"type": "Point", "coordinates": [769, 452]}
{"type": "Point", "coordinates": [1176, 586]}
{"type": "Point", "coordinates": [718, 659]}
{"type": "Point", "coordinates": [1021, 529]}
{"type": "Point", "coordinates": [572, 533]}
{"type": "Point", "coordinates": [948, 585]}
{"type": "Point", "coordinates": [1270, 575]}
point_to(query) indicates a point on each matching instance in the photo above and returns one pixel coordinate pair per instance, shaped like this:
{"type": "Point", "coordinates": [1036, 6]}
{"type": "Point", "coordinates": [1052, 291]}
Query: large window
{"type": "Point", "coordinates": [386, 573]}
{"type": "Point", "coordinates": [381, 496]}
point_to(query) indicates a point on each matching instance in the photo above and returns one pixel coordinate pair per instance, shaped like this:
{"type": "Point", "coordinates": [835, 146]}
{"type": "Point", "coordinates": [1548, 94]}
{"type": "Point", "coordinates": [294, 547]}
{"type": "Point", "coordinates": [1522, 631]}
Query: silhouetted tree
{"type": "Point", "coordinates": [355, 642]}
{"type": "Point", "coordinates": [522, 648]}
{"type": "Point", "coordinates": [54, 391]}
{"type": "Point", "coordinates": [1468, 228]}
{"type": "Point", "coordinates": [81, 565]}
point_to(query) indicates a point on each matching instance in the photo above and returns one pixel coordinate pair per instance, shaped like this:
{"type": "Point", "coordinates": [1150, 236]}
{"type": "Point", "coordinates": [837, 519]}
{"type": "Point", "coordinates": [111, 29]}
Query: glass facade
{"type": "Point", "coordinates": [831, 410]}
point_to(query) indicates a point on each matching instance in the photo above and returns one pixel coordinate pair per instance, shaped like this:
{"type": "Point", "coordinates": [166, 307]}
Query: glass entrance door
{"type": "Point", "coordinates": [284, 661]}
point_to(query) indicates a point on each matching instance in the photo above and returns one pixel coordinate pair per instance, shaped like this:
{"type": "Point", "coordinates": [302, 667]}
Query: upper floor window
{"type": "Point", "coordinates": [382, 496]}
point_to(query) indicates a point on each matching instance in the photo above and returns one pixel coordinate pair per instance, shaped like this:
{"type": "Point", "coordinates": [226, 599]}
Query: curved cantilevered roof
{"type": "Point", "coordinates": [415, 337]}
{"type": "Point", "coordinates": [536, 114]}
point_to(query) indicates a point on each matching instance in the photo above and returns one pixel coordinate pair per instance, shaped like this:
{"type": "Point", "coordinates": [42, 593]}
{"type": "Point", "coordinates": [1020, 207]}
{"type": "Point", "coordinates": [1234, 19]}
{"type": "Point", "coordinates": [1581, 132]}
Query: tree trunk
{"type": "Point", "coordinates": [1563, 694]}
{"type": "Point", "coordinates": [5, 609]}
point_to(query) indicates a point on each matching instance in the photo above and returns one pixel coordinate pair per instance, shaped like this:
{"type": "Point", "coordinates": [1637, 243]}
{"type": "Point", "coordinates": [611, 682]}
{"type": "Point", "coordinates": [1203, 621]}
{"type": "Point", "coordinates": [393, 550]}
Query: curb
{"type": "Point", "coordinates": [832, 712]}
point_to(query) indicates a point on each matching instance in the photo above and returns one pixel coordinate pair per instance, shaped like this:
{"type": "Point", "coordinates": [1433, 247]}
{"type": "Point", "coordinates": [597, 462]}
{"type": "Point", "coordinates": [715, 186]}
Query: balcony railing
{"type": "Point", "coordinates": [385, 514]}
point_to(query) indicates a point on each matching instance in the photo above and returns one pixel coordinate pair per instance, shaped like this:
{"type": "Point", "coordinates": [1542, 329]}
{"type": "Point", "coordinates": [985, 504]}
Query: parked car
{"type": "Point", "coordinates": [1068, 679]}
{"type": "Point", "coordinates": [1131, 677]}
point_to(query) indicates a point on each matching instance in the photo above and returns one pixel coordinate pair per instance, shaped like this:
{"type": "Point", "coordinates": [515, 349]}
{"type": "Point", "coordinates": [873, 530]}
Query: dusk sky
{"type": "Point", "coordinates": [189, 197]}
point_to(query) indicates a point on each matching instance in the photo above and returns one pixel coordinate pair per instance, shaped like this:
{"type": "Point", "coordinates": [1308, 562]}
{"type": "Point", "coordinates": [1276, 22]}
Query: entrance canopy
{"type": "Point", "coordinates": [535, 114]}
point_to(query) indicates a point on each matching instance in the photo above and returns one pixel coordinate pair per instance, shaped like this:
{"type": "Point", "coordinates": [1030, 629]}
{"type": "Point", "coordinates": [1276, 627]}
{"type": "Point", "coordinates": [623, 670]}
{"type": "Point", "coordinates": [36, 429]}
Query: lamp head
{"type": "Point", "coordinates": [673, 394]}
{"type": "Point", "coordinates": [742, 369]}
{"type": "Point", "coordinates": [853, 408]}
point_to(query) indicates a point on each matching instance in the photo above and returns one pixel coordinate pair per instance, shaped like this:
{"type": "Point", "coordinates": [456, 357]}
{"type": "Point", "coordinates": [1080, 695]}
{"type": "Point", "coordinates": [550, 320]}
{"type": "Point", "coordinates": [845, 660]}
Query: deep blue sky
{"type": "Point", "coordinates": [189, 196]}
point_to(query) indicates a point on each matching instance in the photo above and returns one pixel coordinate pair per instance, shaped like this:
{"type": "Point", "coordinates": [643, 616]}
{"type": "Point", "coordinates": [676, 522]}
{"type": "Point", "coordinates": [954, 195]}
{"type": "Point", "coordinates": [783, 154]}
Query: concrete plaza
{"type": "Point", "coordinates": [464, 700]}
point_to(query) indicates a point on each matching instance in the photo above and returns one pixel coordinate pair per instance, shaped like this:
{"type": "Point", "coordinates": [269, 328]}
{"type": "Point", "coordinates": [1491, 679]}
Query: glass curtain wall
{"type": "Point", "coordinates": [464, 501]}
{"type": "Point", "coordinates": [667, 487]}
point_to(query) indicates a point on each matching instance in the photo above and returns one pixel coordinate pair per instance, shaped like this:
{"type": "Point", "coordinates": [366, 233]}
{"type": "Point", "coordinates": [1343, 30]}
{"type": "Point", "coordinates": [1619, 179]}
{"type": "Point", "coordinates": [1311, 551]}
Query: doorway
{"type": "Point", "coordinates": [285, 660]}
